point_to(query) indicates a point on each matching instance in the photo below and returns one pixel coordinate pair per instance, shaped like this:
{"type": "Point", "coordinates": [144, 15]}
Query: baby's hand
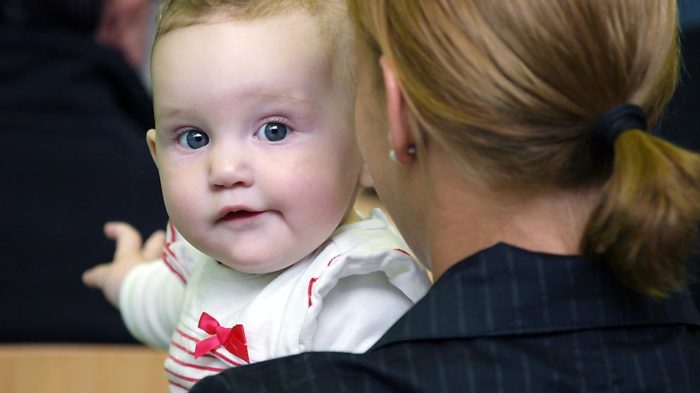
{"type": "Point", "coordinates": [128, 254]}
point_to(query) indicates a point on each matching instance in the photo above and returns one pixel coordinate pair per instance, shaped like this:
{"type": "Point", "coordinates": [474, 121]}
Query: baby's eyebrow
{"type": "Point", "coordinates": [257, 98]}
{"type": "Point", "coordinates": [281, 97]}
{"type": "Point", "coordinates": [169, 112]}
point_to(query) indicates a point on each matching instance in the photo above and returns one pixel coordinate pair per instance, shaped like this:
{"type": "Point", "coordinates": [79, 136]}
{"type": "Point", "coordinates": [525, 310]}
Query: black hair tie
{"type": "Point", "coordinates": [621, 118]}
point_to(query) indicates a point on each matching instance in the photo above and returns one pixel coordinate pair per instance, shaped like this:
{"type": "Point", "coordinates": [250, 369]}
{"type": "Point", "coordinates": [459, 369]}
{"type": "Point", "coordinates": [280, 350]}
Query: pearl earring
{"type": "Point", "coordinates": [411, 152]}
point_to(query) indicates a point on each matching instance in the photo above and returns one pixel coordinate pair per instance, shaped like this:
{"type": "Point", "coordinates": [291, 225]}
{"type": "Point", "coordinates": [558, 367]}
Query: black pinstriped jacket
{"type": "Point", "coordinates": [507, 320]}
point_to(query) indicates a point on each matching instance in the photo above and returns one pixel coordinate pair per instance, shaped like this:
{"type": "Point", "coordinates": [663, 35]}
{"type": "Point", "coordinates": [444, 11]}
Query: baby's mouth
{"type": "Point", "coordinates": [239, 215]}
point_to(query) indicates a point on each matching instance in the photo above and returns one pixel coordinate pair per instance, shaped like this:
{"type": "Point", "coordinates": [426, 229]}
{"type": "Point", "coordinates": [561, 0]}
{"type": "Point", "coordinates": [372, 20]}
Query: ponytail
{"type": "Point", "coordinates": [645, 225]}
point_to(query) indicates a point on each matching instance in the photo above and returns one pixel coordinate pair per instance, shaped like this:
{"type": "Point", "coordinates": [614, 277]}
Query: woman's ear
{"type": "Point", "coordinates": [400, 136]}
{"type": "Point", "coordinates": [151, 141]}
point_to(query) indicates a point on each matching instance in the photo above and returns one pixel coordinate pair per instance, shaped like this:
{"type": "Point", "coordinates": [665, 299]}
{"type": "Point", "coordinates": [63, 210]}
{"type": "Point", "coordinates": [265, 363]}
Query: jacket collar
{"type": "Point", "coordinates": [505, 290]}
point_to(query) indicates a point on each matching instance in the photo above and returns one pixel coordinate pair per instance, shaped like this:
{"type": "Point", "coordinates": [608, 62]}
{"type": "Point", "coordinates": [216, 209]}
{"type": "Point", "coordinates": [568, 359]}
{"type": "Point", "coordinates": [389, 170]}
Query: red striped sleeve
{"type": "Point", "coordinates": [195, 366]}
{"type": "Point", "coordinates": [180, 376]}
{"type": "Point", "coordinates": [178, 385]}
{"type": "Point", "coordinates": [187, 351]}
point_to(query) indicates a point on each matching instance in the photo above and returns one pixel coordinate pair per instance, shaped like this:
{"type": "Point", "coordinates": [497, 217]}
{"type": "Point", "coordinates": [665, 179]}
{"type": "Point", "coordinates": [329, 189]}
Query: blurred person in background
{"type": "Point", "coordinates": [74, 113]}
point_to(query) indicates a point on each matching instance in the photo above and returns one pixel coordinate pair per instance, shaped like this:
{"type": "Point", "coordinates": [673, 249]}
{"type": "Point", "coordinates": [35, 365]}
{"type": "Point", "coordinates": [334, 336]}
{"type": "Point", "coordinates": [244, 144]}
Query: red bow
{"type": "Point", "coordinates": [232, 339]}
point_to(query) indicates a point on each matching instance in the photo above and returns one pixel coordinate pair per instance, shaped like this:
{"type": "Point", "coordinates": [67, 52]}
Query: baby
{"type": "Point", "coordinates": [259, 169]}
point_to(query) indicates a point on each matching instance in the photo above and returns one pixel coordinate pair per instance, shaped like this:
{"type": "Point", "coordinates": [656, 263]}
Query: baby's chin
{"type": "Point", "coordinates": [253, 267]}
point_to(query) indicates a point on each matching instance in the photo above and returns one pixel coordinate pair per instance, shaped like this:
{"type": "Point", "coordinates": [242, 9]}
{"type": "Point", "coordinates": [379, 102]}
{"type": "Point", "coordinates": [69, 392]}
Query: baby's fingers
{"type": "Point", "coordinates": [154, 245]}
{"type": "Point", "coordinates": [128, 240]}
{"type": "Point", "coordinates": [95, 277]}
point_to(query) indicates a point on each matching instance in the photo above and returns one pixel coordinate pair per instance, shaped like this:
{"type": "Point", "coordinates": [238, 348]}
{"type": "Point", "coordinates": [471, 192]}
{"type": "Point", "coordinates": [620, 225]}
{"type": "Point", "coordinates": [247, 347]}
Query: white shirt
{"type": "Point", "coordinates": [342, 297]}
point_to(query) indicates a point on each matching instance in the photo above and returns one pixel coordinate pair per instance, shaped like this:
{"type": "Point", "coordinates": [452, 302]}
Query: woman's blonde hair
{"type": "Point", "coordinates": [512, 89]}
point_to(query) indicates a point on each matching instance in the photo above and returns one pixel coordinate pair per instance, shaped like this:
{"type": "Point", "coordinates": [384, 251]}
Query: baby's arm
{"type": "Point", "coordinates": [150, 303]}
{"type": "Point", "coordinates": [140, 284]}
{"type": "Point", "coordinates": [128, 254]}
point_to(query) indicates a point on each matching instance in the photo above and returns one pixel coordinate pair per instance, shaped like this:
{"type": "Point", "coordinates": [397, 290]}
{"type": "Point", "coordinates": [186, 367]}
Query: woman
{"type": "Point", "coordinates": [518, 168]}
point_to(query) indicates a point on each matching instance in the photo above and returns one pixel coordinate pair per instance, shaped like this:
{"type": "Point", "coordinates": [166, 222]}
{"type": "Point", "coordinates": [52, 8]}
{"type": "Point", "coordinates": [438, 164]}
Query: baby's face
{"type": "Point", "coordinates": [254, 144]}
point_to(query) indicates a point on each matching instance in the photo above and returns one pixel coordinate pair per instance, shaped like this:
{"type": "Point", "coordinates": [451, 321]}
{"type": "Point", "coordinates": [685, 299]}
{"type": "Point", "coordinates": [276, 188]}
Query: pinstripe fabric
{"type": "Point", "coordinates": [508, 320]}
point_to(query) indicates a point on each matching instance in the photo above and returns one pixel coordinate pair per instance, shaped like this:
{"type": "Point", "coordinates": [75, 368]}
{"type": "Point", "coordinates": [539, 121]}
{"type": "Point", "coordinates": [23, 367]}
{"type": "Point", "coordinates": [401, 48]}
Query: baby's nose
{"type": "Point", "coordinates": [229, 167]}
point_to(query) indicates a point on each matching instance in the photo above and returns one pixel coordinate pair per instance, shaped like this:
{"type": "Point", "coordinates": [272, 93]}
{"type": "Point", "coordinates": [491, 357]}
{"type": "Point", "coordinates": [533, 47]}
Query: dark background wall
{"type": "Point", "coordinates": [690, 12]}
{"type": "Point", "coordinates": [681, 123]}
{"type": "Point", "coordinates": [682, 120]}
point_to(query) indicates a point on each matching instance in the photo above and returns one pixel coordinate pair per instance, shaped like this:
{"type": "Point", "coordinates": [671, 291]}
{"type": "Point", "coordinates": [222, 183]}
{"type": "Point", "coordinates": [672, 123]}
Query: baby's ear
{"type": "Point", "coordinates": [366, 177]}
{"type": "Point", "coordinates": [151, 141]}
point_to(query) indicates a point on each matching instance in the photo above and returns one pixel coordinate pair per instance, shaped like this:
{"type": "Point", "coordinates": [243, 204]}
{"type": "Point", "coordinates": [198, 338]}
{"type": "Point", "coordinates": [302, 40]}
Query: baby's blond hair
{"type": "Point", "coordinates": [331, 15]}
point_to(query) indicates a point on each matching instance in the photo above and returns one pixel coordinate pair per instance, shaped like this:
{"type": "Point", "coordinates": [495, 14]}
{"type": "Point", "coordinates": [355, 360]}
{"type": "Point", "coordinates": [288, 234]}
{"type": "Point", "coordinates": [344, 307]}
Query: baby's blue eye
{"type": "Point", "coordinates": [193, 139]}
{"type": "Point", "coordinates": [272, 132]}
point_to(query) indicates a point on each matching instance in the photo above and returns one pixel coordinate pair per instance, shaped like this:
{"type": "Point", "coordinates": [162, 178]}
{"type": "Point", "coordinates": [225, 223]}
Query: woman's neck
{"type": "Point", "coordinates": [465, 221]}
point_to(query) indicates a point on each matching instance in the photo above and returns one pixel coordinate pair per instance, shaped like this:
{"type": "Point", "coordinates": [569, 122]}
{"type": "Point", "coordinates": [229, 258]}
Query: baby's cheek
{"type": "Point", "coordinates": [325, 201]}
{"type": "Point", "coordinates": [178, 201]}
